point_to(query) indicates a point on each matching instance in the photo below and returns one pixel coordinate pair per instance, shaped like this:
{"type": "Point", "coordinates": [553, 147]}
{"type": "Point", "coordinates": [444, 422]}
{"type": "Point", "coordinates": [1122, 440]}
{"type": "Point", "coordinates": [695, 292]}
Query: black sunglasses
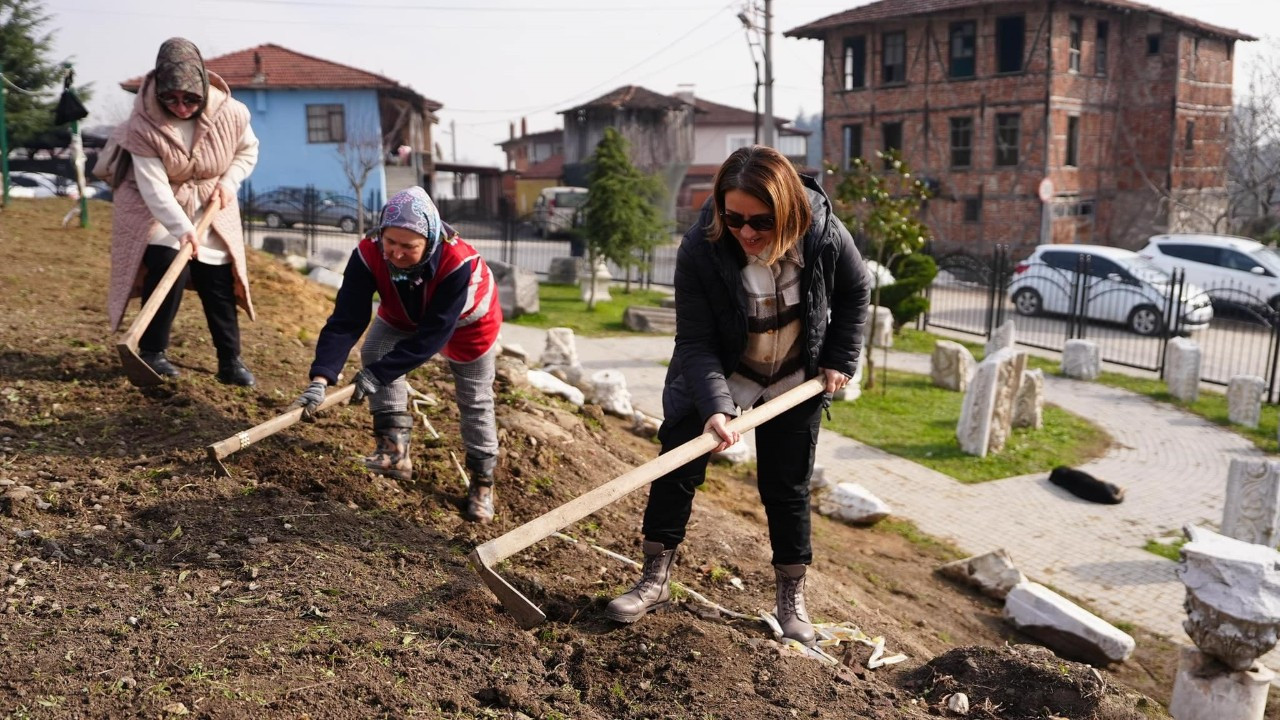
{"type": "Point", "coordinates": [759, 223]}
{"type": "Point", "coordinates": [187, 99]}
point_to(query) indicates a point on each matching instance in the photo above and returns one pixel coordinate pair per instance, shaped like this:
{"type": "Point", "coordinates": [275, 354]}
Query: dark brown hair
{"type": "Point", "coordinates": [765, 174]}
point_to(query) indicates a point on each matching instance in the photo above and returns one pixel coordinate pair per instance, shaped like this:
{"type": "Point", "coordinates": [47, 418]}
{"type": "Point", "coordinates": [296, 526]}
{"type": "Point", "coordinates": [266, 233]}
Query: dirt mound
{"type": "Point", "coordinates": [138, 583]}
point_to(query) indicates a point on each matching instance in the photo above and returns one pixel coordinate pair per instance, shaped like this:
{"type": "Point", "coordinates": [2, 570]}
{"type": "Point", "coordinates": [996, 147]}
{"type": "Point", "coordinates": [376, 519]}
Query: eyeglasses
{"type": "Point", "coordinates": [759, 223]}
{"type": "Point", "coordinates": [188, 99]}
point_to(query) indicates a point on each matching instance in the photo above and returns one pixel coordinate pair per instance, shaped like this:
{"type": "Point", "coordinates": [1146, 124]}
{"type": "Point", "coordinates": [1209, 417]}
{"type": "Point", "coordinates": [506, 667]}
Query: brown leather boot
{"type": "Point", "coordinates": [480, 497]}
{"type": "Point", "coordinates": [791, 612]}
{"type": "Point", "coordinates": [653, 592]}
{"type": "Point", "coordinates": [391, 458]}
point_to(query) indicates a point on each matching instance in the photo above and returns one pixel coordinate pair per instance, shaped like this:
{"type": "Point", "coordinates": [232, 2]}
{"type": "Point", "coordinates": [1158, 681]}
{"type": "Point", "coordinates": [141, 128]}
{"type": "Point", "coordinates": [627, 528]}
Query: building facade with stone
{"type": "Point", "coordinates": [1122, 108]}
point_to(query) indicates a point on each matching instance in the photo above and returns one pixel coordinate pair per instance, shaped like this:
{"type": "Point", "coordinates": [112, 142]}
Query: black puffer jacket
{"type": "Point", "coordinates": [711, 309]}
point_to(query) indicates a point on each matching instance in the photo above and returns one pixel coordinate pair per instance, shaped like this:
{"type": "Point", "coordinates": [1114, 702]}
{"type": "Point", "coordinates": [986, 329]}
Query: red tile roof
{"type": "Point", "coordinates": [631, 97]}
{"type": "Point", "coordinates": [717, 114]}
{"type": "Point", "coordinates": [273, 67]}
{"type": "Point", "coordinates": [890, 9]}
{"type": "Point", "coordinates": [550, 169]}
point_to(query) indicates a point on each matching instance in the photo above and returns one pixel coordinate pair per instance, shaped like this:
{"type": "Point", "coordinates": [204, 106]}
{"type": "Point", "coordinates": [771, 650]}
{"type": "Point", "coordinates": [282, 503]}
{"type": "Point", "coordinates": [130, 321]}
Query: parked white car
{"type": "Point", "coordinates": [558, 209]}
{"type": "Point", "coordinates": [40, 185]}
{"type": "Point", "coordinates": [1231, 269]}
{"type": "Point", "coordinates": [1120, 287]}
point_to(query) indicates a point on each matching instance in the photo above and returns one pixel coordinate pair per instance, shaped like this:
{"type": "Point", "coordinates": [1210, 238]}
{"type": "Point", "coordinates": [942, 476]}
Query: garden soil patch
{"type": "Point", "coordinates": [136, 583]}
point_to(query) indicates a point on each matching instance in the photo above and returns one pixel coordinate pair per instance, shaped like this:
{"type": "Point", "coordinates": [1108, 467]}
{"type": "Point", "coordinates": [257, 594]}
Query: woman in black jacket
{"type": "Point", "coordinates": [770, 291]}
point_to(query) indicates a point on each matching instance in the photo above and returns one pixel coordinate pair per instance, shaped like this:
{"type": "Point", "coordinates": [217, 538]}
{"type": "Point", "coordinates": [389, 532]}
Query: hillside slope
{"type": "Point", "coordinates": [137, 583]}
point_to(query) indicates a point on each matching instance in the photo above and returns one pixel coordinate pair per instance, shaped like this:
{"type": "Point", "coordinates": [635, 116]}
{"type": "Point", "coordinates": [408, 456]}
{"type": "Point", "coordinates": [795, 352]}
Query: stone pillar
{"type": "Point", "coordinates": [1081, 360]}
{"type": "Point", "coordinates": [881, 327]}
{"type": "Point", "coordinates": [600, 279]}
{"type": "Point", "coordinates": [1244, 399]}
{"type": "Point", "coordinates": [1182, 369]}
{"type": "Point", "coordinates": [1001, 338]}
{"type": "Point", "coordinates": [951, 365]}
{"type": "Point", "coordinates": [1028, 406]}
{"type": "Point", "coordinates": [1251, 512]}
{"type": "Point", "coordinates": [987, 412]}
{"type": "Point", "coordinates": [1201, 693]}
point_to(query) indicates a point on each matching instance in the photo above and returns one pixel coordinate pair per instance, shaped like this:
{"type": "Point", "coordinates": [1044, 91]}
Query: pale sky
{"type": "Point", "coordinates": [491, 62]}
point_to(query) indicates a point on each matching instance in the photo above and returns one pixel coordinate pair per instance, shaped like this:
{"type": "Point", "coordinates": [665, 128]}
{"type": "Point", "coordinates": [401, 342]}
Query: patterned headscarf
{"type": "Point", "coordinates": [180, 68]}
{"type": "Point", "coordinates": [412, 209]}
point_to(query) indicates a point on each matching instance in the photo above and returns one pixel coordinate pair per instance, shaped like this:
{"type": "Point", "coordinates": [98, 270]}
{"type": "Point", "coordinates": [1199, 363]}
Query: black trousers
{"type": "Point", "coordinates": [785, 448]}
{"type": "Point", "coordinates": [216, 285]}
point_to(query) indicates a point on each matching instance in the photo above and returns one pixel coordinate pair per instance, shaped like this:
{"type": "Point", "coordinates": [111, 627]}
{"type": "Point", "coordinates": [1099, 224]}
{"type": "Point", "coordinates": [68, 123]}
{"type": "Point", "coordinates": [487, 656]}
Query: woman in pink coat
{"type": "Point", "coordinates": [190, 146]}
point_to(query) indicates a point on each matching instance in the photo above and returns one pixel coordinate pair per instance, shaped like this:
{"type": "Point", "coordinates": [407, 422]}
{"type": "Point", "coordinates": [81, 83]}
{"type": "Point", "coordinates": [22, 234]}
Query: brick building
{"type": "Point", "coordinates": [1122, 107]}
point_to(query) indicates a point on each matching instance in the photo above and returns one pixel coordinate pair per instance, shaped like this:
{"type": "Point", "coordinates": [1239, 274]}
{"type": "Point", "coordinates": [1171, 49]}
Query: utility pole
{"type": "Point", "coordinates": [453, 141]}
{"type": "Point", "coordinates": [770, 130]}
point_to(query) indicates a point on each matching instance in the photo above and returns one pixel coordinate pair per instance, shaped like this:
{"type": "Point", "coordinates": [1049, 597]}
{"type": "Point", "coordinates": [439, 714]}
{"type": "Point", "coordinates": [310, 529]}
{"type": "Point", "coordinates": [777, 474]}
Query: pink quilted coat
{"type": "Point", "coordinates": [192, 176]}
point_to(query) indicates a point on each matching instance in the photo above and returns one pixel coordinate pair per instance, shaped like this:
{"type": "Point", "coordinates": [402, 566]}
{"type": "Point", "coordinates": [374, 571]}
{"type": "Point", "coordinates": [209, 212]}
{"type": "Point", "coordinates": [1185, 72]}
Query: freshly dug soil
{"type": "Point", "coordinates": [138, 583]}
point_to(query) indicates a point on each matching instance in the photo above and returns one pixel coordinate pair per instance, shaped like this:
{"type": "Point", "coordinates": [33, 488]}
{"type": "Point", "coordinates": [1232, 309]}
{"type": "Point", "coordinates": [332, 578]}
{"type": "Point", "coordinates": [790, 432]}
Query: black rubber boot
{"type": "Point", "coordinates": [158, 362]}
{"type": "Point", "coordinates": [391, 458]}
{"type": "Point", "coordinates": [233, 372]}
{"type": "Point", "coordinates": [653, 592]}
{"type": "Point", "coordinates": [480, 497]}
{"type": "Point", "coordinates": [791, 612]}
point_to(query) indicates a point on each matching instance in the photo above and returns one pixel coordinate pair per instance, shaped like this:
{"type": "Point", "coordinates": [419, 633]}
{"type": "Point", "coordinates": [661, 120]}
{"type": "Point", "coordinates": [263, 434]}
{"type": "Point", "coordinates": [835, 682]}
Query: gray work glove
{"type": "Point", "coordinates": [366, 385]}
{"type": "Point", "coordinates": [310, 400]}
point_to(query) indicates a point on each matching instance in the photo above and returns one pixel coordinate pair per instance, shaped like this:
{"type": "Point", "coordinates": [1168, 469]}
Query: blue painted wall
{"type": "Point", "coordinates": [285, 157]}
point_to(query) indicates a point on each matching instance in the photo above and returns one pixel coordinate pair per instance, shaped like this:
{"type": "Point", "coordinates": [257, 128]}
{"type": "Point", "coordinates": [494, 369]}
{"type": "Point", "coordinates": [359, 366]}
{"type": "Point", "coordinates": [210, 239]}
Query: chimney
{"type": "Point", "coordinates": [511, 127]}
{"type": "Point", "coordinates": [684, 91]}
{"type": "Point", "coordinates": [524, 126]}
{"type": "Point", "coordinates": [259, 77]}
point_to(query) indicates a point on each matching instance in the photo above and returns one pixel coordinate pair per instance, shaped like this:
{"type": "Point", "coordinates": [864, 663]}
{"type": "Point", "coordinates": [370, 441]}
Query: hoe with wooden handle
{"type": "Point", "coordinates": [245, 438]}
{"type": "Point", "coordinates": [135, 368]}
{"type": "Point", "coordinates": [485, 556]}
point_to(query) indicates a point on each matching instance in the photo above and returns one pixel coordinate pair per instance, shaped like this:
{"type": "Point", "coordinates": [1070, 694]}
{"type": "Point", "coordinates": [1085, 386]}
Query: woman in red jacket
{"type": "Point", "coordinates": [436, 296]}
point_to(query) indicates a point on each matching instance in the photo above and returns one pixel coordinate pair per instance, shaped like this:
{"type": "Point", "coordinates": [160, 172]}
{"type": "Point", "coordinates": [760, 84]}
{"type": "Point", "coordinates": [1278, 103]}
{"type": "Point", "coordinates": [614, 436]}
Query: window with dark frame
{"type": "Point", "coordinates": [893, 46]}
{"type": "Point", "coordinates": [891, 137]}
{"type": "Point", "coordinates": [1189, 142]}
{"type": "Point", "coordinates": [1074, 30]}
{"type": "Point", "coordinates": [852, 144]}
{"type": "Point", "coordinates": [964, 48]}
{"type": "Point", "coordinates": [1008, 138]}
{"type": "Point", "coordinates": [972, 209]}
{"type": "Point", "coordinates": [326, 124]}
{"type": "Point", "coordinates": [1011, 38]}
{"type": "Point", "coordinates": [855, 62]}
{"type": "Point", "coordinates": [1073, 142]}
{"type": "Point", "coordinates": [1153, 44]}
{"type": "Point", "coordinates": [961, 142]}
{"type": "Point", "coordinates": [1100, 49]}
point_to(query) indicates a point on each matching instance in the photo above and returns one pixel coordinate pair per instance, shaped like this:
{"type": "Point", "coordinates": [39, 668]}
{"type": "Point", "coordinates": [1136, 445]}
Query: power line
{"type": "Point", "coordinates": [449, 8]}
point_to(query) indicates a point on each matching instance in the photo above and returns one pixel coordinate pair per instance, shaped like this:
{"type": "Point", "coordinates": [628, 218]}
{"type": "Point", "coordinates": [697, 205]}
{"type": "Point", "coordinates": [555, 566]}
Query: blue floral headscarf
{"type": "Point", "coordinates": [412, 209]}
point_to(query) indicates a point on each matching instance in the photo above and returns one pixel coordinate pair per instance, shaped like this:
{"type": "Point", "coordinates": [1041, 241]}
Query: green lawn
{"type": "Point", "coordinates": [917, 421]}
{"type": "Point", "coordinates": [562, 306]}
{"type": "Point", "coordinates": [1211, 406]}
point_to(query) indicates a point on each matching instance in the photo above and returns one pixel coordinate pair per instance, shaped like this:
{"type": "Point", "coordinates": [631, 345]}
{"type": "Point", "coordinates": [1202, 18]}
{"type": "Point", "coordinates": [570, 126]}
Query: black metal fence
{"type": "Point", "coordinates": [1131, 312]}
{"type": "Point", "coordinates": [324, 228]}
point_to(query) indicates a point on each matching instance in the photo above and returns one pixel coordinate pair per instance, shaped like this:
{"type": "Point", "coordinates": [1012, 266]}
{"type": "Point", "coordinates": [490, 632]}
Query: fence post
{"type": "Point", "coordinates": [1274, 356]}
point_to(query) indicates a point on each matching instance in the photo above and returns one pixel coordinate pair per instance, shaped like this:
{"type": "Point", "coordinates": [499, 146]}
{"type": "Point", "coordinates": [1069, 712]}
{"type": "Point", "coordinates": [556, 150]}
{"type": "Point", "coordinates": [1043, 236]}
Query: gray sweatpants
{"type": "Point", "coordinates": [472, 389]}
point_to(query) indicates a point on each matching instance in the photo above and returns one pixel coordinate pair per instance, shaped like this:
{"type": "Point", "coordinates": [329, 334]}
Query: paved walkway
{"type": "Point", "coordinates": [1172, 464]}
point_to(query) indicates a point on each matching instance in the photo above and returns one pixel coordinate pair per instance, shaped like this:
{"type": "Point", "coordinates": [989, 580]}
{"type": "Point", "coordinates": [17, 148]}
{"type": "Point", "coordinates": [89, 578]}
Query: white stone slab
{"type": "Point", "coordinates": [1251, 511]}
{"type": "Point", "coordinates": [881, 321]}
{"type": "Point", "coordinates": [1002, 337]}
{"type": "Point", "coordinates": [850, 502]}
{"type": "Point", "coordinates": [993, 574]}
{"type": "Point", "coordinates": [1244, 400]}
{"type": "Point", "coordinates": [986, 415]}
{"type": "Point", "coordinates": [1028, 406]}
{"type": "Point", "coordinates": [951, 365]}
{"type": "Point", "coordinates": [1064, 627]}
{"type": "Point", "coordinates": [1182, 369]}
{"type": "Point", "coordinates": [609, 391]}
{"type": "Point", "coordinates": [552, 385]}
{"type": "Point", "coordinates": [1081, 360]}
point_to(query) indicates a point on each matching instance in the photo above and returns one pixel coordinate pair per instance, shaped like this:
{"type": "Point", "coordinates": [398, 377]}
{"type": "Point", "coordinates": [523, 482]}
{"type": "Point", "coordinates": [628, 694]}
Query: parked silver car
{"type": "Point", "coordinates": [285, 207]}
